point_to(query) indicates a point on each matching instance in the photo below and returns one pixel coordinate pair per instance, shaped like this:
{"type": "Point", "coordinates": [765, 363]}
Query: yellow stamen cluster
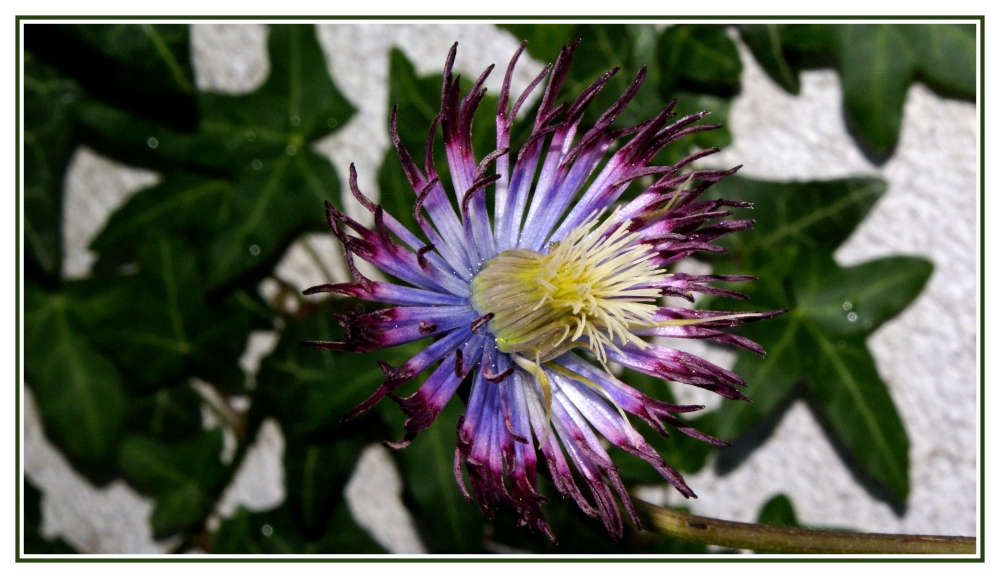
{"type": "Point", "coordinates": [587, 291]}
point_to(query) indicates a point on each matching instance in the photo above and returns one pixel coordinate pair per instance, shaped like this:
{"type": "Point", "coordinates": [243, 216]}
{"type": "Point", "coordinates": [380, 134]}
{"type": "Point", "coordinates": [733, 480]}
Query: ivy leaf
{"type": "Point", "coordinates": [161, 328]}
{"type": "Point", "coordinates": [778, 511]}
{"type": "Point", "coordinates": [800, 215]}
{"type": "Point", "coordinates": [877, 64]}
{"type": "Point", "coordinates": [48, 144]}
{"type": "Point", "coordinates": [143, 68]}
{"type": "Point", "coordinates": [820, 341]}
{"type": "Point", "coordinates": [78, 390]}
{"type": "Point", "coordinates": [275, 532]}
{"type": "Point", "coordinates": [315, 475]}
{"type": "Point", "coordinates": [269, 212]}
{"type": "Point", "coordinates": [169, 414]}
{"type": "Point", "coordinates": [876, 67]}
{"type": "Point", "coordinates": [182, 478]}
{"type": "Point", "coordinates": [946, 57]}
{"type": "Point", "coordinates": [767, 46]}
{"type": "Point", "coordinates": [262, 140]}
{"type": "Point", "coordinates": [700, 56]}
{"type": "Point", "coordinates": [182, 204]}
{"type": "Point", "coordinates": [297, 104]}
{"type": "Point", "coordinates": [446, 520]}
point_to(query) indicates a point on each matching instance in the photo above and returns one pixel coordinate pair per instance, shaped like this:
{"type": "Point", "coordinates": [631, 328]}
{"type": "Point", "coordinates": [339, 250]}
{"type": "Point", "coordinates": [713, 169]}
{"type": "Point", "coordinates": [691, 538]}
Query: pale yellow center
{"type": "Point", "coordinates": [590, 290]}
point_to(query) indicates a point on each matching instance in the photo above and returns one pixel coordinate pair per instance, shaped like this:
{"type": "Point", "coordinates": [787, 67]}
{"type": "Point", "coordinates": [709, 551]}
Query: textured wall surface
{"type": "Point", "coordinates": [927, 355]}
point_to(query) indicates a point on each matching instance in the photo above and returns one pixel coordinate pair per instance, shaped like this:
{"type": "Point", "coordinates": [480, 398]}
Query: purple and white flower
{"type": "Point", "coordinates": [531, 305]}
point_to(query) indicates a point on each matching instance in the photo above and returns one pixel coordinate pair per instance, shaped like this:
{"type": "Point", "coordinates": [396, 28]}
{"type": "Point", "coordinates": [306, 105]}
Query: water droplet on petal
{"type": "Point", "coordinates": [266, 530]}
{"type": "Point", "coordinates": [847, 305]}
{"type": "Point", "coordinates": [152, 142]}
{"type": "Point", "coordinates": [852, 317]}
{"type": "Point", "coordinates": [250, 136]}
{"type": "Point", "coordinates": [291, 150]}
{"type": "Point", "coordinates": [254, 250]}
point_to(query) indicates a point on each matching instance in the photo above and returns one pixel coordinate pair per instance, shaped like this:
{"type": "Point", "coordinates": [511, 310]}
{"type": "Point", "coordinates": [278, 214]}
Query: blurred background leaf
{"type": "Point", "coordinates": [820, 341]}
{"type": "Point", "coordinates": [48, 145]}
{"type": "Point", "coordinates": [184, 478]}
{"type": "Point", "coordinates": [143, 68]}
{"type": "Point", "coordinates": [877, 63]}
{"type": "Point", "coordinates": [79, 392]}
{"type": "Point", "coordinates": [275, 532]}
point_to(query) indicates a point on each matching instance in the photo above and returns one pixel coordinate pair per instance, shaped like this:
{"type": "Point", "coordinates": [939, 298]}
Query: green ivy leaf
{"type": "Point", "coordinates": [270, 210]}
{"type": "Point", "coordinates": [150, 57]}
{"type": "Point", "coordinates": [699, 56]}
{"type": "Point", "coordinates": [261, 139]}
{"type": "Point", "coordinates": [778, 511]}
{"type": "Point", "coordinates": [876, 68]}
{"type": "Point", "coordinates": [315, 475]}
{"type": "Point", "coordinates": [447, 521]}
{"type": "Point", "coordinates": [143, 68]}
{"type": "Point", "coordinates": [275, 532]}
{"type": "Point", "coordinates": [808, 215]}
{"type": "Point", "coordinates": [79, 391]}
{"type": "Point", "coordinates": [169, 414]}
{"type": "Point", "coordinates": [877, 64]}
{"type": "Point", "coordinates": [820, 341]}
{"type": "Point", "coordinates": [183, 478]}
{"type": "Point", "coordinates": [766, 43]}
{"type": "Point", "coordinates": [183, 204]}
{"type": "Point", "coordinates": [48, 144]}
{"type": "Point", "coordinates": [161, 328]}
{"type": "Point", "coordinates": [946, 56]}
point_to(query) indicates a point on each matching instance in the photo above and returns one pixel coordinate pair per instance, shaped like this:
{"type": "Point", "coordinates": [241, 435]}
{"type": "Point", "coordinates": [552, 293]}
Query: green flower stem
{"type": "Point", "coordinates": [794, 540]}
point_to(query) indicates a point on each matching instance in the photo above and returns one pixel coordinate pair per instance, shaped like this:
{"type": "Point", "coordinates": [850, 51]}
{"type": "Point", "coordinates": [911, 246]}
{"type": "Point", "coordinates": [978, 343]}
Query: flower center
{"type": "Point", "coordinates": [590, 290]}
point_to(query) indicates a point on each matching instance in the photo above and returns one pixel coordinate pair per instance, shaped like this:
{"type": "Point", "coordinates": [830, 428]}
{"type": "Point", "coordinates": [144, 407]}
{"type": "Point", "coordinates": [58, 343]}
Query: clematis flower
{"type": "Point", "coordinates": [531, 305]}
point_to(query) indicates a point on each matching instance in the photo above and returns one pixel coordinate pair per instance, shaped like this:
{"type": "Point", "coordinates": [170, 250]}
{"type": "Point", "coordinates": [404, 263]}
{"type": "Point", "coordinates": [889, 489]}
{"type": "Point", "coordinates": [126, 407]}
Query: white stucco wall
{"type": "Point", "coordinates": [927, 355]}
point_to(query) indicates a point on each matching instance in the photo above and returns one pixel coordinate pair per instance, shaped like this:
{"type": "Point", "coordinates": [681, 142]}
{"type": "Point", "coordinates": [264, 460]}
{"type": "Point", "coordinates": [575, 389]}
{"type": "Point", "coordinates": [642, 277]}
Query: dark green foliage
{"type": "Point", "coordinates": [276, 532]}
{"type": "Point", "coordinates": [820, 341]}
{"type": "Point", "coordinates": [162, 328]}
{"type": "Point", "coordinates": [184, 478]}
{"type": "Point", "coordinates": [144, 69]}
{"type": "Point", "coordinates": [48, 144]}
{"type": "Point", "coordinates": [79, 391]}
{"type": "Point", "coordinates": [169, 414]}
{"type": "Point", "coordinates": [778, 511]}
{"type": "Point", "coordinates": [447, 521]}
{"type": "Point", "coordinates": [877, 63]}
